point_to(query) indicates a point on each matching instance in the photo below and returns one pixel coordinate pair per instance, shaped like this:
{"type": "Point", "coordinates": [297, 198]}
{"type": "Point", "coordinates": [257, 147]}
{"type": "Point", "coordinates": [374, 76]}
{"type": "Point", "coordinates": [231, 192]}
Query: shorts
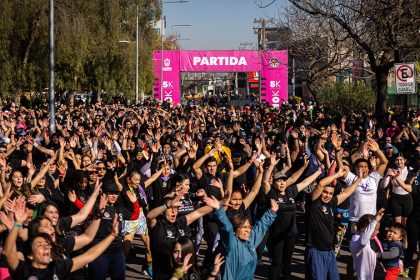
{"type": "Point", "coordinates": [401, 205]}
{"type": "Point", "coordinates": [138, 226]}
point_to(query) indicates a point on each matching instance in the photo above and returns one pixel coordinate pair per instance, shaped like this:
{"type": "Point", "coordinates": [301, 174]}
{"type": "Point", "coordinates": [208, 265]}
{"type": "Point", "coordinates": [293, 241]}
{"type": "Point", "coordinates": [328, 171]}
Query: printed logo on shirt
{"type": "Point", "coordinates": [55, 277]}
{"type": "Point", "coordinates": [365, 187]}
{"type": "Point", "coordinates": [193, 277]}
{"type": "Point", "coordinates": [325, 210]}
{"type": "Point", "coordinates": [169, 234]}
{"type": "Point", "coordinates": [32, 278]}
{"type": "Point", "coordinates": [164, 184]}
{"type": "Point", "coordinates": [280, 200]}
{"type": "Point", "coordinates": [181, 232]}
{"type": "Point", "coordinates": [106, 215]}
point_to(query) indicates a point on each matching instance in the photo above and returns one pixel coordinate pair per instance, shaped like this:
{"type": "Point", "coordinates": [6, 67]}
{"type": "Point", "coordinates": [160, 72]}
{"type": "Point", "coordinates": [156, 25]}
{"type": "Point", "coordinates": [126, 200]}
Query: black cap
{"type": "Point", "coordinates": [279, 176]}
{"type": "Point", "coordinates": [109, 186]}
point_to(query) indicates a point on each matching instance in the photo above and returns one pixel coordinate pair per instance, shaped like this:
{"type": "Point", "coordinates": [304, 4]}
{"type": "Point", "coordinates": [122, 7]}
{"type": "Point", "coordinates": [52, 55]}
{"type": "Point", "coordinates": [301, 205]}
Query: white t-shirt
{"type": "Point", "coordinates": [396, 188]}
{"type": "Point", "coordinates": [363, 200]}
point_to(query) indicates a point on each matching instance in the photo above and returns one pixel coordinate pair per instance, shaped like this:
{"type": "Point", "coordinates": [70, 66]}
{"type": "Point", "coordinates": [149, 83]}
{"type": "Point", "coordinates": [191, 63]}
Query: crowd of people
{"type": "Point", "coordinates": [238, 178]}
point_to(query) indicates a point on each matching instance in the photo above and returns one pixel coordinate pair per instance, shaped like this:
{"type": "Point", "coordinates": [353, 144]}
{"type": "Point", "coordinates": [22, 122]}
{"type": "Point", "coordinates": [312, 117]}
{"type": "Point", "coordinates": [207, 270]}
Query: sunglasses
{"type": "Point", "coordinates": [101, 168]}
{"type": "Point", "coordinates": [113, 193]}
{"type": "Point", "coordinates": [93, 172]}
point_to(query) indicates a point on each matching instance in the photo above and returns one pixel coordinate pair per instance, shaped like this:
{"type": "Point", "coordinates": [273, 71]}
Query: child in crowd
{"type": "Point", "coordinates": [393, 251]}
{"type": "Point", "coordinates": [364, 258]}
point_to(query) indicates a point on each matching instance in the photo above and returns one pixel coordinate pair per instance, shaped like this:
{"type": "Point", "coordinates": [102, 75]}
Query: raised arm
{"type": "Point", "coordinates": [83, 213]}
{"type": "Point", "coordinates": [325, 182]}
{"type": "Point", "coordinates": [9, 250]}
{"type": "Point", "coordinates": [405, 185]}
{"type": "Point", "coordinates": [255, 188]}
{"type": "Point", "coordinates": [95, 251]}
{"type": "Point", "coordinates": [86, 237]}
{"type": "Point", "coordinates": [267, 175]}
{"type": "Point", "coordinates": [295, 176]}
{"type": "Point", "coordinates": [153, 178]}
{"type": "Point", "coordinates": [200, 212]}
{"type": "Point", "coordinates": [309, 180]}
{"type": "Point", "coordinates": [349, 190]}
{"type": "Point", "coordinates": [383, 161]}
{"type": "Point", "coordinates": [197, 165]}
{"type": "Point", "coordinates": [43, 171]}
{"type": "Point", "coordinates": [229, 187]}
{"type": "Point", "coordinates": [242, 169]}
{"type": "Point", "coordinates": [153, 214]}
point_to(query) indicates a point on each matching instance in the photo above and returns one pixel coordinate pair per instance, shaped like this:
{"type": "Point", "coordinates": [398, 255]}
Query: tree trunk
{"type": "Point", "coordinates": [381, 93]}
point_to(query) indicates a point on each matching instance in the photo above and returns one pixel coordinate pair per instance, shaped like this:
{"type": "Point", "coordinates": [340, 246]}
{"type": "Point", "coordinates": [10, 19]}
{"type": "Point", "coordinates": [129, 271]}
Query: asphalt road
{"type": "Point", "coordinates": [135, 270]}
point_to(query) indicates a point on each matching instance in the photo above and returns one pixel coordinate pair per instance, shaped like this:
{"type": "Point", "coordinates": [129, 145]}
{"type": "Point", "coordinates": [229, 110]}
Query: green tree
{"type": "Point", "coordinates": [88, 53]}
{"type": "Point", "coordinates": [345, 98]}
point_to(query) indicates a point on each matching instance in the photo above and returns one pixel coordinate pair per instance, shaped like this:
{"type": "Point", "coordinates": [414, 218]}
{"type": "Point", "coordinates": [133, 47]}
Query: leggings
{"type": "Point", "coordinates": [281, 250]}
{"type": "Point", "coordinates": [413, 237]}
{"type": "Point", "coordinates": [210, 231]}
{"type": "Point", "coordinates": [108, 265]}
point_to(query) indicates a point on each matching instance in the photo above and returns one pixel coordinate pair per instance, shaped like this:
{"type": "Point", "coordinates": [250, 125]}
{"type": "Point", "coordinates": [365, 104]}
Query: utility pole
{"type": "Point", "coordinates": [262, 32]}
{"type": "Point", "coordinates": [137, 57]}
{"type": "Point", "coordinates": [52, 68]}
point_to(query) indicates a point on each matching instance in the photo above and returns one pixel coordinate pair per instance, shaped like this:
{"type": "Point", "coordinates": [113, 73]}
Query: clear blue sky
{"type": "Point", "coordinates": [216, 24]}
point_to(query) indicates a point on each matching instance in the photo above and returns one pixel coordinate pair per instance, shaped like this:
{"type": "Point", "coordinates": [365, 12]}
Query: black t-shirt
{"type": "Point", "coordinates": [106, 227]}
{"type": "Point", "coordinates": [56, 270]}
{"type": "Point", "coordinates": [205, 183]}
{"type": "Point", "coordinates": [159, 189]}
{"type": "Point", "coordinates": [65, 223]}
{"type": "Point", "coordinates": [321, 232]}
{"type": "Point", "coordinates": [67, 243]}
{"type": "Point", "coordinates": [162, 240]}
{"type": "Point", "coordinates": [285, 221]}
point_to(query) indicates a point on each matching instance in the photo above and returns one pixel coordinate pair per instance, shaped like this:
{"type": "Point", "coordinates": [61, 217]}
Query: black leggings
{"type": "Point", "coordinates": [413, 237]}
{"type": "Point", "coordinates": [281, 249]}
{"type": "Point", "coordinates": [210, 232]}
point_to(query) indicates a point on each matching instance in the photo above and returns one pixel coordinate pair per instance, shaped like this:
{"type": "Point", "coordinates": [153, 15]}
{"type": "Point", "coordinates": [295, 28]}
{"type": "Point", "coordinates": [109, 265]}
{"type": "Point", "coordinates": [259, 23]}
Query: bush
{"type": "Point", "coordinates": [344, 98]}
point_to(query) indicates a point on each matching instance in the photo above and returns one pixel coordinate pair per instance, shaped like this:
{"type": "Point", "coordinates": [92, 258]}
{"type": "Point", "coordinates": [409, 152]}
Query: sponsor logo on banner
{"type": "Point", "coordinates": [219, 61]}
{"type": "Point", "coordinates": [274, 62]}
{"type": "Point", "coordinates": [167, 64]}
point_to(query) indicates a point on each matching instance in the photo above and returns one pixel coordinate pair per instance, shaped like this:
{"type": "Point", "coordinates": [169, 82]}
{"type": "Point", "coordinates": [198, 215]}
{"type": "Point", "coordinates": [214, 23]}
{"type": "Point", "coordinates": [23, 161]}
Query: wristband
{"type": "Point", "coordinates": [178, 274]}
{"type": "Point", "coordinates": [165, 207]}
{"type": "Point", "coordinates": [36, 145]}
{"type": "Point", "coordinates": [213, 275]}
{"type": "Point", "coordinates": [18, 225]}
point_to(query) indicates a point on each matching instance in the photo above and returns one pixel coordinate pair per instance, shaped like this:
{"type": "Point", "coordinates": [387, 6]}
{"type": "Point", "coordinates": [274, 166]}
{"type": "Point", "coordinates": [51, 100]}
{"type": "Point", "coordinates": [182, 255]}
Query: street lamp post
{"type": "Point", "coordinates": [52, 66]}
{"type": "Point", "coordinates": [137, 58]}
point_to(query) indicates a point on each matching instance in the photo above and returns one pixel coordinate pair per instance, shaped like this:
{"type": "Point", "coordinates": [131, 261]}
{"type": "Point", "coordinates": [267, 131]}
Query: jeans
{"type": "Point", "coordinates": [108, 265]}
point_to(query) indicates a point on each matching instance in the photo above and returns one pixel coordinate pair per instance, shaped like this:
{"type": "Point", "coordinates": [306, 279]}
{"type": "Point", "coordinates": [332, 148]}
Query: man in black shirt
{"type": "Point", "coordinates": [319, 255]}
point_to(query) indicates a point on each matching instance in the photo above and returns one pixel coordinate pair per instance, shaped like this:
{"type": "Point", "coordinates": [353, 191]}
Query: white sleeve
{"type": "Point", "coordinates": [359, 242]}
{"type": "Point", "coordinates": [349, 179]}
{"type": "Point", "coordinates": [376, 176]}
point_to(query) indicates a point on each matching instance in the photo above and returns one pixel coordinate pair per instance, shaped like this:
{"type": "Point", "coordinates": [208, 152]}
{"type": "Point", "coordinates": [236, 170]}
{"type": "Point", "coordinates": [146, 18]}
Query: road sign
{"type": "Point", "coordinates": [405, 78]}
